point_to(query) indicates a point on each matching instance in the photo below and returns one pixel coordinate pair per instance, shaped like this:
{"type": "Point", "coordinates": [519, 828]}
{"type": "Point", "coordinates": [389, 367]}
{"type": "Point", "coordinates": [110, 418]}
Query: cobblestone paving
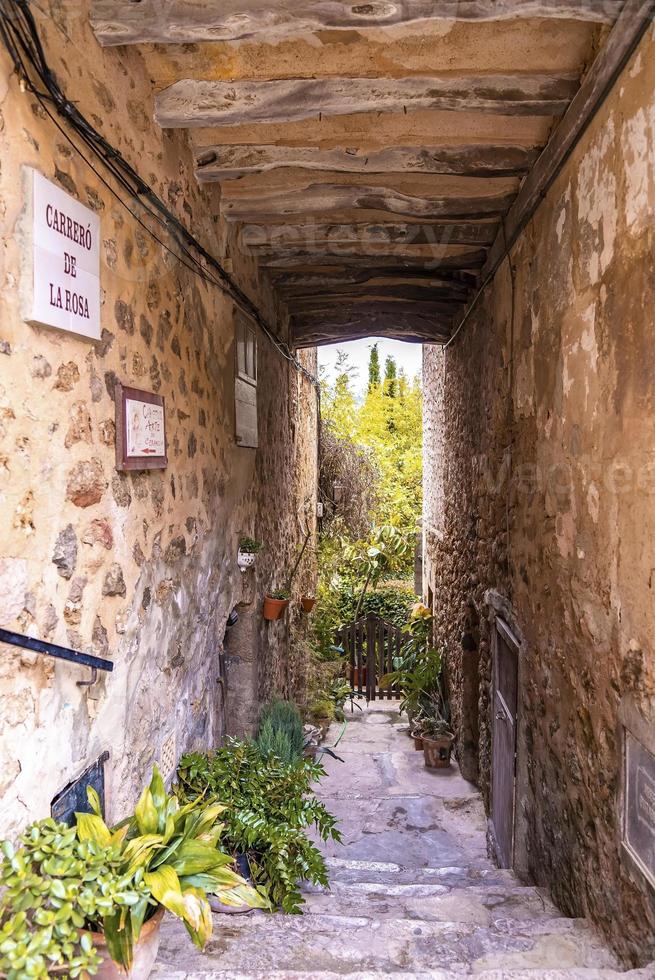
{"type": "Point", "coordinates": [412, 891]}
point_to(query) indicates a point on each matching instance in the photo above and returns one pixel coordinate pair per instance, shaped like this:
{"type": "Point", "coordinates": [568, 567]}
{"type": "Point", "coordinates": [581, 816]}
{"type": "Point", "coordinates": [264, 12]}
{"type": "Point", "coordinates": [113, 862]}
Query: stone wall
{"type": "Point", "coordinates": [548, 474]}
{"type": "Point", "coordinates": [139, 567]}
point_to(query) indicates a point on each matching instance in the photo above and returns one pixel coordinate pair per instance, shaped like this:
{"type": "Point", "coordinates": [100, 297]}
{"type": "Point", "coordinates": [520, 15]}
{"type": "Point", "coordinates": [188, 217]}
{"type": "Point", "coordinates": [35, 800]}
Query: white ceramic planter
{"type": "Point", "coordinates": [245, 560]}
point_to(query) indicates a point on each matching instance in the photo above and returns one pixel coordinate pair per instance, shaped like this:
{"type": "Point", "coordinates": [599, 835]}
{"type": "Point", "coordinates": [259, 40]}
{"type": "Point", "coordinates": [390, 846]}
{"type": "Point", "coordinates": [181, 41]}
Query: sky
{"type": "Point", "coordinates": [407, 356]}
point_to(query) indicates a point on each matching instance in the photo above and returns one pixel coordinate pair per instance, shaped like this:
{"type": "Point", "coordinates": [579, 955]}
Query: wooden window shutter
{"type": "Point", "coordinates": [245, 385]}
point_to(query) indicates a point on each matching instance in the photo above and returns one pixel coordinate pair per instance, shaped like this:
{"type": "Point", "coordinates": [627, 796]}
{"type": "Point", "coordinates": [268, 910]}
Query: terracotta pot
{"type": "Point", "coordinates": [418, 742]}
{"type": "Point", "coordinates": [145, 952]}
{"type": "Point", "coordinates": [274, 608]}
{"type": "Point", "coordinates": [437, 751]}
{"type": "Point", "coordinates": [308, 603]}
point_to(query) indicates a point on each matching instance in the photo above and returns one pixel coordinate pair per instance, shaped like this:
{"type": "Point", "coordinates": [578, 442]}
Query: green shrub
{"type": "Point", "coordinates": [280, 730]}
{"type": "Point", "coordinates": [390, 602]}
{"type": "Point", "coordinates": [322, 708]}
{"type": "Point", "coordinates": [276, 741]}
{"type": "Point", "coordinates": [270, 805]}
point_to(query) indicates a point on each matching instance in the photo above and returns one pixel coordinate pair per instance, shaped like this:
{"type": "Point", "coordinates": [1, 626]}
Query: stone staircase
{"type": "Point", "coordinates": [415, 917]}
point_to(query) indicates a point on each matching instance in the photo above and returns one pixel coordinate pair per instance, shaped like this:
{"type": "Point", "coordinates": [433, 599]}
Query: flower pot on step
{"type": "Point", "coordinates": [418, 743]}
{"type": "Point", "coordinates": [274, 608]}
{"type": "Point", "coordinates": [308, 603]}
{"type": "Point", "coordinates": [145, 952]}
{"type": "Point", "coordinates": [437, 751]}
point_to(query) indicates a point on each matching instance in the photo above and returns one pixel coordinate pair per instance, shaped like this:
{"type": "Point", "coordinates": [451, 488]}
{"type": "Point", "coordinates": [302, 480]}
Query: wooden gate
{"type": "Point", "coordinates": [503, 775]}
{"type": "Point", "coordinates": [370, 645]}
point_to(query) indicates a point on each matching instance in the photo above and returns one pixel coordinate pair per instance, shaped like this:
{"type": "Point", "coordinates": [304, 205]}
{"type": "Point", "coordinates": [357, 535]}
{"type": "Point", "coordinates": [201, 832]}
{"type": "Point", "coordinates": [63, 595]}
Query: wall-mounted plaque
{"type": "Point", "coordinates": [140, 430]}
{"type": "Point", "coordinates": [639, 806]}
{"type": "Point", "coordinates": [62, 264]}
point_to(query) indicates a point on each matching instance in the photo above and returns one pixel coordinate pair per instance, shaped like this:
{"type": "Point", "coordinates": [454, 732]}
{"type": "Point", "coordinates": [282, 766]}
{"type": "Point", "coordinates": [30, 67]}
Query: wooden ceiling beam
{"type": "Point", "coordinates": [440, 300]}
{"type": "Point", "coordinates": [381, 289]}
{"type": "Point", "coordinates": [378, 265]}
{"type": "Point", "coordinates": [195, 102]}
{"type": "Point", "coordinates": [314, 236]}
{"type": "Point", "coordinates": [177, 21]}
{"type": "Point", "coordinates": [300, 284]}
{"type": "Point", "coordinates": [323, 198]}
{"type": "Point", "coordinates": [408, 328]}
{"type": "Point", "coordinates": [216, 163]}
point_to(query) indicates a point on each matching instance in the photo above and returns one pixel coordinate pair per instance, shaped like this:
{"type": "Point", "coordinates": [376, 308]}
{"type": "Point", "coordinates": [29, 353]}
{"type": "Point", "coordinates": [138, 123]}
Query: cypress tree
{"type": "Point", "coordinates": [373, 368]}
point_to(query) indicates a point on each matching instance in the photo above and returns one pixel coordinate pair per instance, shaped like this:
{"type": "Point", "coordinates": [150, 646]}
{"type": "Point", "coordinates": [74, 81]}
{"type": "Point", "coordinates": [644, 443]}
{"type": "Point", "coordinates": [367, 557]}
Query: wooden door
{"type": "Point", "coordinates": [503, 776]}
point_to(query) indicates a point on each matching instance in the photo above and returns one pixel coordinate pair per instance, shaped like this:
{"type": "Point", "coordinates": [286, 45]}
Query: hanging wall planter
{"type": "Point", "coordinates": [275, 605]}
{"type": "Point", "coordinates": [247, 554]}
{"type": "Point", "coordinates": [308, 603]}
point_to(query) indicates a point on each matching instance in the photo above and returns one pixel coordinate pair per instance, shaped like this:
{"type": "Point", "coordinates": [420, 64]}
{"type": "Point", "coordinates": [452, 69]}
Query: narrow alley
{"type": "Point", "coordinates": [412, 895]}
{"type": "Point", "coordinates": [326, 373]}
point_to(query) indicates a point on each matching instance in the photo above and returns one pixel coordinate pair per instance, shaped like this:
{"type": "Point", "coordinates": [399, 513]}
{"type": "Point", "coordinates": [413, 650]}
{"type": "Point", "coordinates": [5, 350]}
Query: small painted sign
{"type": "Point", "coordinates": [64, 291]}
{"type": "Point", "coordinates": [639, 818]}
{"type": "Point", "coordinates": [140, 430]}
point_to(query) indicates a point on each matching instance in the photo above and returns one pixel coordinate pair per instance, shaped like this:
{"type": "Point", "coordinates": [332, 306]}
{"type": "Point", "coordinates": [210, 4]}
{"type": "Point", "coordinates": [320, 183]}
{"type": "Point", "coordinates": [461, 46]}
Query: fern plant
{"type": "Point", "coordinates": [269, 807]}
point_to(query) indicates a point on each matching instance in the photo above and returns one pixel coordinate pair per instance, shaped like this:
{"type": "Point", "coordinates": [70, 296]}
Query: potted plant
{"type": "Point", "coordinates": [249, 548]}
{"type": "Point", "coordinates": [416, 731]}
{"type": "Point", "coordinates": [437, 741]}
{"type": "Point", "coordinates": [308, 603]}
{"type": "Point", "coordinates": [271, 808]}
{"type": "Point", "coordinates": [88, 900]}
{"type": "Point", "coordinates": [276, 603]}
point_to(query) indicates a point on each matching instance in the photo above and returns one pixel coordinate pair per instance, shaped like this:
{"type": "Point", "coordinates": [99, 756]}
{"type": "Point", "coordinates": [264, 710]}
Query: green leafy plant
{"type": "Point", "coordinates": [282, 594]}
{"type": "Point", "coordinates": [250, 546]}
{"type": "Point", "coordinates": [419, 670]}
{"type": "Point", "coordinates": [64, 882]}
{"type": "Point", "coordinates": [177, 847]}
{"type": "Point", "coordinates": [323, 708]}
{"type": "Point", "coordinates": [432, 726]}
{"type": "Point", "coordinates": [386, 549]}
{"type": "Point", "coordinates": [269, 807]}
{"type": "Point", "coordinates": [56, 886]}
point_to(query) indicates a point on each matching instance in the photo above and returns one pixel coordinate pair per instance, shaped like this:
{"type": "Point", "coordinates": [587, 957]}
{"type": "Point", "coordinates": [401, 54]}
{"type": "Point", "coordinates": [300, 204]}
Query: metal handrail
{"type": "Point", "coordinates": [52, 650]}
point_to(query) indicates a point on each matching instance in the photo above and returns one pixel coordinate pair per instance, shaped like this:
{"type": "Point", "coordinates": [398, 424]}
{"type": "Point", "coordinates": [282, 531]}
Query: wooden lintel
{"type": "Point", "coordinates": [226, 162]}
{"type": "Point", "coordinates": [177, 21]}
{"type": "Point", "coordinates": [196, 102]}
{"type": "Point", "coordinates": [323, 198]}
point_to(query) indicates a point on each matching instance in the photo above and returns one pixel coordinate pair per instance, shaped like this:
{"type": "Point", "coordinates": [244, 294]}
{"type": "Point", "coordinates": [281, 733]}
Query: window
{"type": "Point", "coordinates": [246, 352]}
{"type": "Point", "coordinates": [245, 384]}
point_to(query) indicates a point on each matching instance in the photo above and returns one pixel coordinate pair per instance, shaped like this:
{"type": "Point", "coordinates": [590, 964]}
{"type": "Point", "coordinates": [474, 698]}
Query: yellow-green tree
{"type": "Point", "coordinates": [387, 423]}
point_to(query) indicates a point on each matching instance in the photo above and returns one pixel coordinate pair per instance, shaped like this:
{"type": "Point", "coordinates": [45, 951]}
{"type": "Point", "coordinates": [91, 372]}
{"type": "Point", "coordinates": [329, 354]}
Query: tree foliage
{"type": "Point", "coordinates": [374, 367]}
{"type": "Point", "coordinates": [384, 435]}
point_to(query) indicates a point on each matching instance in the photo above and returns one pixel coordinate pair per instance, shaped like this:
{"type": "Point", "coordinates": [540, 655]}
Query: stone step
{"type": "Point", "coordinates": [341, 944]}
{"type": "Point", "coordinates": [593, 973]}
{"type": "Point", "coordinates": [427, 902]}
{"type": "Point", "coordinates": [472, 875]}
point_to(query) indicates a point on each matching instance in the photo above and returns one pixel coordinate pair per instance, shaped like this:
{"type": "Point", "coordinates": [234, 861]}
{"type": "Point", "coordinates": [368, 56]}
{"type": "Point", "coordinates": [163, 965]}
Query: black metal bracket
{"type": "Point", "coordinates": [61, 653]}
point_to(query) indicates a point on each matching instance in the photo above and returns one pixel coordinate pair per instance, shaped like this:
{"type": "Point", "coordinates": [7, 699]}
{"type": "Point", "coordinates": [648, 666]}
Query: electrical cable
{"type": "Point", "coordinates": [19, 34]}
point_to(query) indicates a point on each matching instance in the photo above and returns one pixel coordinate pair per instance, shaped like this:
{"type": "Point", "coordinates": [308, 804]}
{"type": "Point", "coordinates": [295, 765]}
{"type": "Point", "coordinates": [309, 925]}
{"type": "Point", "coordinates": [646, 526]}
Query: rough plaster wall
{"type": "Point", "coordinates": [549, 429]}
{"type": "Point", "coordinates": [140, 567]}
